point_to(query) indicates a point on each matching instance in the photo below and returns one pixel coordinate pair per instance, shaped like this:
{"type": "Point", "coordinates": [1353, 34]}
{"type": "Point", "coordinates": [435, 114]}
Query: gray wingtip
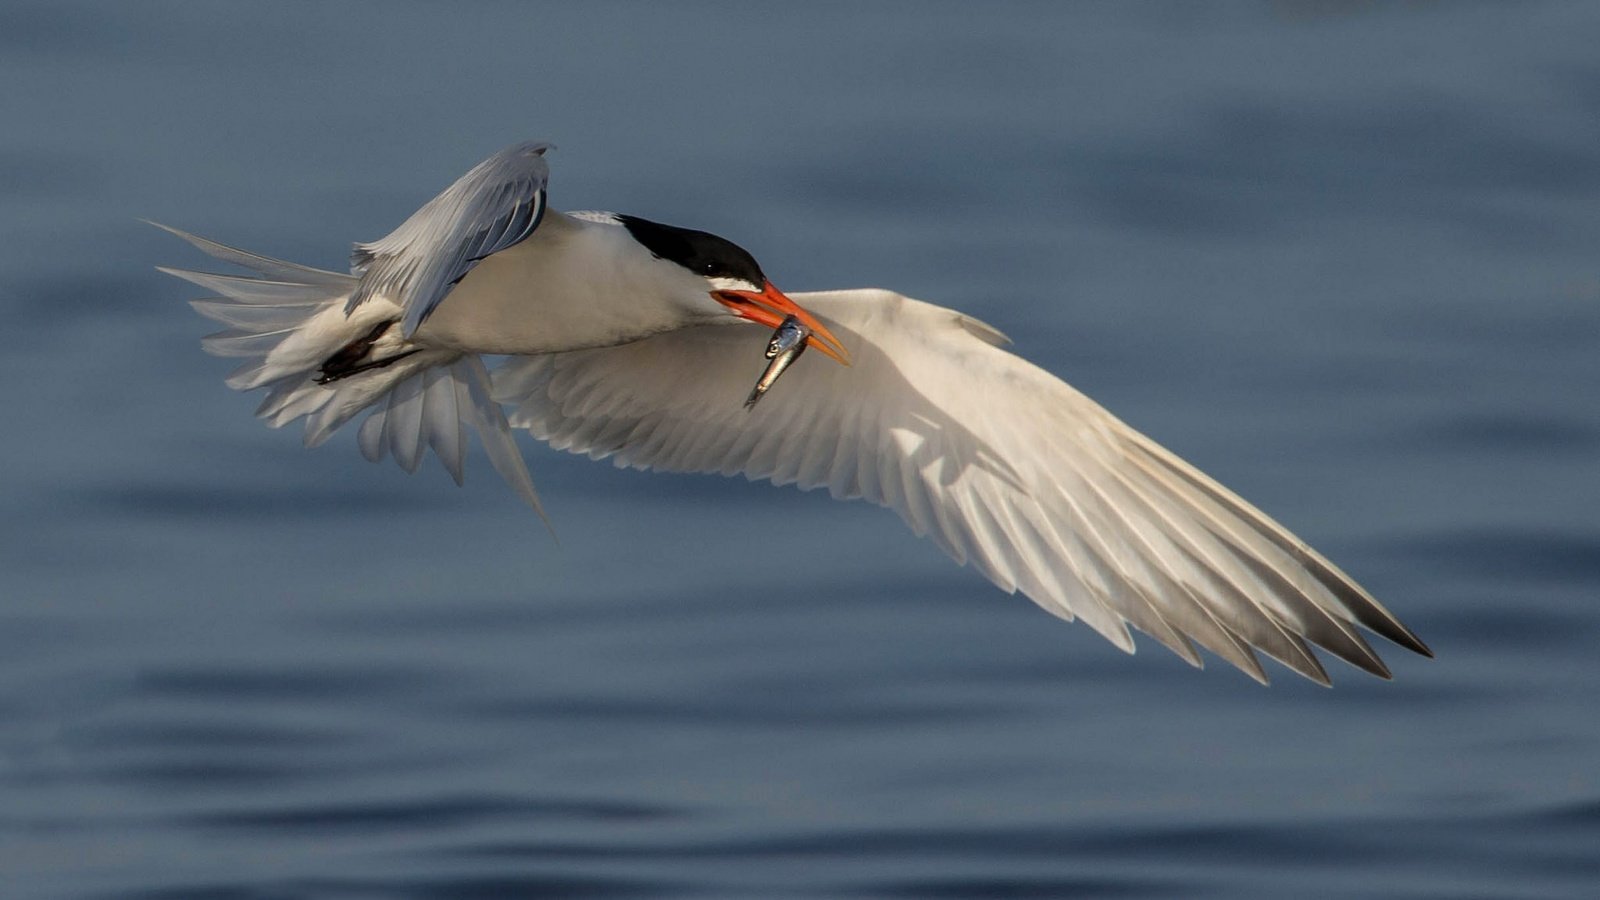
{"type": "Point", "coordinates": [494, 431]}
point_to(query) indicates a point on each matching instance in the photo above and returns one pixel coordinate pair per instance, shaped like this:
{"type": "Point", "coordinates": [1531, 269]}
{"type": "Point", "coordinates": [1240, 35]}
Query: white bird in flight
{"type": "Point", "coordinates": [628, 339]}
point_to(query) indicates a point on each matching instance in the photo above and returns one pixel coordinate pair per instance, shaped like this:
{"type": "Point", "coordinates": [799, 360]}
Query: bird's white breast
{"type": "Point", "coordinates": [577, 282]}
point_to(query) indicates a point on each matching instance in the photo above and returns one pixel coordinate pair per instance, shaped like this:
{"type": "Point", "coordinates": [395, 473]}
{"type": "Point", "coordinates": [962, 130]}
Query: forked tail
{"type": "Point", "coordinates": [289, 325]}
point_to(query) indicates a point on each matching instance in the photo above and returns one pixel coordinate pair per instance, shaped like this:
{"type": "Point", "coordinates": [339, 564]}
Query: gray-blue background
{"type": "Point", "coordinates": [1344, 256]}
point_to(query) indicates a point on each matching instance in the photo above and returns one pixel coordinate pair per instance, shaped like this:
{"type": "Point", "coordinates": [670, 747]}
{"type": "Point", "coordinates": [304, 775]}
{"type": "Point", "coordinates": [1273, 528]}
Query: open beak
{"type": "Point", "coordinates": [770, 307]}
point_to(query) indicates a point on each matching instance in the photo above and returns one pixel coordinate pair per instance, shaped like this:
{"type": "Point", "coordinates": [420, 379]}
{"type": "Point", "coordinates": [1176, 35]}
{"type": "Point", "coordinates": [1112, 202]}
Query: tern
{"type": "Point", "coordinates": [630, 340]}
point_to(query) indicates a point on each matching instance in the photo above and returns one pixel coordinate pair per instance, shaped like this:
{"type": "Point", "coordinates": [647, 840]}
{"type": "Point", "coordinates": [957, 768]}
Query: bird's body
{"type": "Point", "coordinates": [628, 340]}
{"type": "Point", "coordinates": [581, 281]}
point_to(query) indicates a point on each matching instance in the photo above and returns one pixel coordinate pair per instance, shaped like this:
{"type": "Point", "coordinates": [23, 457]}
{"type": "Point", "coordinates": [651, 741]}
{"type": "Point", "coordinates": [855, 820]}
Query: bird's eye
{"type": "Point", "coordinates": [709, 268]}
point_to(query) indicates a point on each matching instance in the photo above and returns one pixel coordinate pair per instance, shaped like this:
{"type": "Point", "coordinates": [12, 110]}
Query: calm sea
{"type": "Point", "coordinates": [1343, 255]}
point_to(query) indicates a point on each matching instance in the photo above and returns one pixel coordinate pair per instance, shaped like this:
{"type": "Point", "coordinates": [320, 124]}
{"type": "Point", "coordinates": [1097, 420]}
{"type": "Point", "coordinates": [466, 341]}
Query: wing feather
{"type": "Point", "coordinates": [496, 205]}
{"type": "Point", "coordinates": [999, 463]}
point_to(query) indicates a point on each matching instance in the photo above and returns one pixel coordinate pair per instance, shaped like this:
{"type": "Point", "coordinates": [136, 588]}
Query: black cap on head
{"type": "Point", "coordinates": [703, 254]}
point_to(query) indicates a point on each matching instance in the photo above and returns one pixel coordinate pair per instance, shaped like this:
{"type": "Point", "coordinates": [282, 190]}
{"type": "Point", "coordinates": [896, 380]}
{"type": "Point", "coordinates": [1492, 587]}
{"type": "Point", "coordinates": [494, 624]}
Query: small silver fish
{"type": "Point", "coordinates": [788, 342]}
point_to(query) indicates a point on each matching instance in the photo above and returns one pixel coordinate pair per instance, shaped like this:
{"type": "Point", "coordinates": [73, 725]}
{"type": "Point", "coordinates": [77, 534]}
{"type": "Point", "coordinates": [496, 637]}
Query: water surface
{"type": "Point", "coordinates": [1341, 255]}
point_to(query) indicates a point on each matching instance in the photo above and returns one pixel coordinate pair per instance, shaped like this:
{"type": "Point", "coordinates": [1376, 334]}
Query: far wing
{"type": "Point", "coordinates": [1000, 463]}
{"type": "Point", "coordinates": [495, 206]}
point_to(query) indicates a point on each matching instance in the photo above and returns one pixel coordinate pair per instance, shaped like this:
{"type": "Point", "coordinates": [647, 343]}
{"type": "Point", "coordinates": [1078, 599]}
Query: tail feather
{"type": "Point", "coordinates": [265, 265]}
{"type": "Point", "coordinates": [250, 318]}
{"type": "Point", "coordinates": [243, 342]}
{"type": "Point", "coordinates": [288, 322]}
{"type": "Point", "coordinates": [247, 291]}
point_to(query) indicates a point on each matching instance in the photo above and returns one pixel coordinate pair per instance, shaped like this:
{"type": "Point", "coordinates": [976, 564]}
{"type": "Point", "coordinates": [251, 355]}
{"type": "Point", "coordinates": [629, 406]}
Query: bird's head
{"type": "Point", "coordinates": [733, 278]}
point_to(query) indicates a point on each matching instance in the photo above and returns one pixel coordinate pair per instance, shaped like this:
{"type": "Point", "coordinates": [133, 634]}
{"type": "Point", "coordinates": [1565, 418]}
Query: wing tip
{"type": "Point", "coordinates": [1405, 637]}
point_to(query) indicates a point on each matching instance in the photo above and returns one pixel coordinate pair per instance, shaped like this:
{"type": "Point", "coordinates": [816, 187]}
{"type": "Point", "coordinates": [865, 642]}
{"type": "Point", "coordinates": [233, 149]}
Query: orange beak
{"type": "Point", "coordinates": [770, 307]}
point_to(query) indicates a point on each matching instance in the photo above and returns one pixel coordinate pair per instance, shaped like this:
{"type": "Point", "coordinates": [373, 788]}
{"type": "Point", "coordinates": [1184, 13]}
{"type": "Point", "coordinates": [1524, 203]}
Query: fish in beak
{"type": "Point", "coordinates": [788, 342]}
{"type": "Point", "coordinates": [770, 307]}
{"type": "Point", "coordinates": [795, 330]}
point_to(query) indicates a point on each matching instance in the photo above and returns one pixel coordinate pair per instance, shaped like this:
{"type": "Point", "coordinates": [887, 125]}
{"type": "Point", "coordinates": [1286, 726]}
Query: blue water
{"type": "Point", "coordinates": [1343, 255]}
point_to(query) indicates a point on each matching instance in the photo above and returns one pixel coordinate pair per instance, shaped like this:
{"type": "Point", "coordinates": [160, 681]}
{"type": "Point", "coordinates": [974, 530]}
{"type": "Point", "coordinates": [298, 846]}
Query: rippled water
{"type": "Point", "coordinates": [1345, 256]}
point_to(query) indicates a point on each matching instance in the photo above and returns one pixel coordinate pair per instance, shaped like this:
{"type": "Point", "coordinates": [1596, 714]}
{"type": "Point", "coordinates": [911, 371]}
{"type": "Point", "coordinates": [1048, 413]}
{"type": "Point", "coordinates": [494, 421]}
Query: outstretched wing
{"type": "Point", "coordinates": [1000, 463]}
{"type": "Point", "coordinates": [496, 205]}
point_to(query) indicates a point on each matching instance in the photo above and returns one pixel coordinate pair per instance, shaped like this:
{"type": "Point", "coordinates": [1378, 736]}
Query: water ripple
{"type": "Point", "coordinates": [1511, 555]}
{"type": "Point", "coordinates": [433, 814]}
{"type": "Point", "coordinates": [233, 684]}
